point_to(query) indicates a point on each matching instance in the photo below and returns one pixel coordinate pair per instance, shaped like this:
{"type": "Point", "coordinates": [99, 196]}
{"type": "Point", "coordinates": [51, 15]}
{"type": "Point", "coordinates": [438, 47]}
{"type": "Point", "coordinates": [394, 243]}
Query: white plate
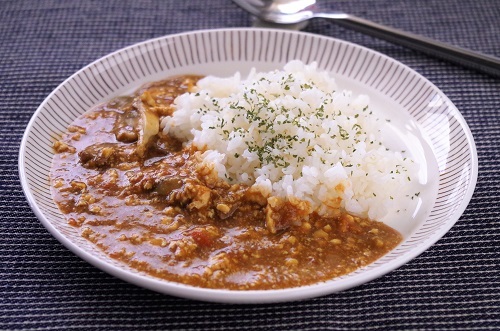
{"type": "Point", "coordinates": [422, 117]}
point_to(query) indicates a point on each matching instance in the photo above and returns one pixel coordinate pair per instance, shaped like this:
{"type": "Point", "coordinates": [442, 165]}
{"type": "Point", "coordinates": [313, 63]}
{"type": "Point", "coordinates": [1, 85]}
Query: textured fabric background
{"type": "Point", "coordinates": [455, 285]}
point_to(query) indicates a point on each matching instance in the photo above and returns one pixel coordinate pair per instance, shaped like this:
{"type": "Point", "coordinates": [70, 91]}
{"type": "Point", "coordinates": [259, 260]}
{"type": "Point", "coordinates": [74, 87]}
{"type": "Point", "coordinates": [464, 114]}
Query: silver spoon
{"type": "Point", "coordinates": [293, 12]}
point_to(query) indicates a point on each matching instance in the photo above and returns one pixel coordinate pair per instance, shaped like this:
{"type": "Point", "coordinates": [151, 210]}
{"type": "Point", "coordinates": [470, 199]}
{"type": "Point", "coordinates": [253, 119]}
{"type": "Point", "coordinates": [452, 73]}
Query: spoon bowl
{"type": "Point", "coordinates": [285, 12]}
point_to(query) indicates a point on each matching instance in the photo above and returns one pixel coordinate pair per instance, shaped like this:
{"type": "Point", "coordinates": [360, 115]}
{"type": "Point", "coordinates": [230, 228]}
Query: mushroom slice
{"type": "Point", "coordinates": [149, 126]}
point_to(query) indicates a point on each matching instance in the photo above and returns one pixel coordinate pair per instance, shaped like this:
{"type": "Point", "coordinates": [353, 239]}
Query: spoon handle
{"type": "Point", "coordinates": [481, 62]}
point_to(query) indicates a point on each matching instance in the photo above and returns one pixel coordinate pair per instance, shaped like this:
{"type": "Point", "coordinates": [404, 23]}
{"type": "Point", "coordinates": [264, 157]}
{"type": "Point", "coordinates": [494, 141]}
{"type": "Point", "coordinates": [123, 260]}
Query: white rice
{"type": "Point", "coordinates": [294, 134]}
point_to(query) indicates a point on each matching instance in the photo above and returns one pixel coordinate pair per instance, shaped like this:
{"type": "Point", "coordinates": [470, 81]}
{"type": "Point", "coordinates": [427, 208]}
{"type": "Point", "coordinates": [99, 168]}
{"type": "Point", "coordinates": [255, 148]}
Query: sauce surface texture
{"type": "Point", "coordinates": [161, 211]}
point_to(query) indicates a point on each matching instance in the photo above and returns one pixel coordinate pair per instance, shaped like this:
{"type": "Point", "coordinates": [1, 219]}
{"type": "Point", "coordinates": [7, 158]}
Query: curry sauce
{"type": "Point", "coordinates": [147, 200]}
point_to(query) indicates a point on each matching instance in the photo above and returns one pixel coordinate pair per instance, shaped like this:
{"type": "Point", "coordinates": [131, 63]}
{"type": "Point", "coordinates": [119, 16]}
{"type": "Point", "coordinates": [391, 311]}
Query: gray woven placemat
{"type": "Point", "coordinates": [453, 285]}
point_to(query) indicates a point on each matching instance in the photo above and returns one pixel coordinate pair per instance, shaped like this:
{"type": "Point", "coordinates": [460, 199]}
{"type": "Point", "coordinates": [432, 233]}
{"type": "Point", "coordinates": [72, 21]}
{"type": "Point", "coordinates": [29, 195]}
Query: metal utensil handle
{"type": "Point", "coordinates": [481, 62]}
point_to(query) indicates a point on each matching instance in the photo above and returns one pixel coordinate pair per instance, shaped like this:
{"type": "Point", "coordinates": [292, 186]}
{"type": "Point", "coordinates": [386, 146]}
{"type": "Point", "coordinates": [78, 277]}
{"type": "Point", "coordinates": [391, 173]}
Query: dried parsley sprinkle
{"type": "Point", "coordinates": [344, 135]}
{"type": "Point", "coordinates": [269, 128]}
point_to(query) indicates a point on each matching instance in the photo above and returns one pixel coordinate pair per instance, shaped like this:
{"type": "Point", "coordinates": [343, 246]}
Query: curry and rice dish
{"type": "Point", "coordinates": [268, 182]}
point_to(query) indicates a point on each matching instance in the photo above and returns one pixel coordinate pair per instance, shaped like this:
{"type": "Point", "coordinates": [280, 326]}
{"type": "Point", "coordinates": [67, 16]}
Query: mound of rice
{"type": "Point", "coordinates": [293, 134]}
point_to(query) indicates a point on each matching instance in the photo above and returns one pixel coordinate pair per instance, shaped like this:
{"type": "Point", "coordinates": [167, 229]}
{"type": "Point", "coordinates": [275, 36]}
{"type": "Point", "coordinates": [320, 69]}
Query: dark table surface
{"type": "Point", "coordinates": [454, 285]}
